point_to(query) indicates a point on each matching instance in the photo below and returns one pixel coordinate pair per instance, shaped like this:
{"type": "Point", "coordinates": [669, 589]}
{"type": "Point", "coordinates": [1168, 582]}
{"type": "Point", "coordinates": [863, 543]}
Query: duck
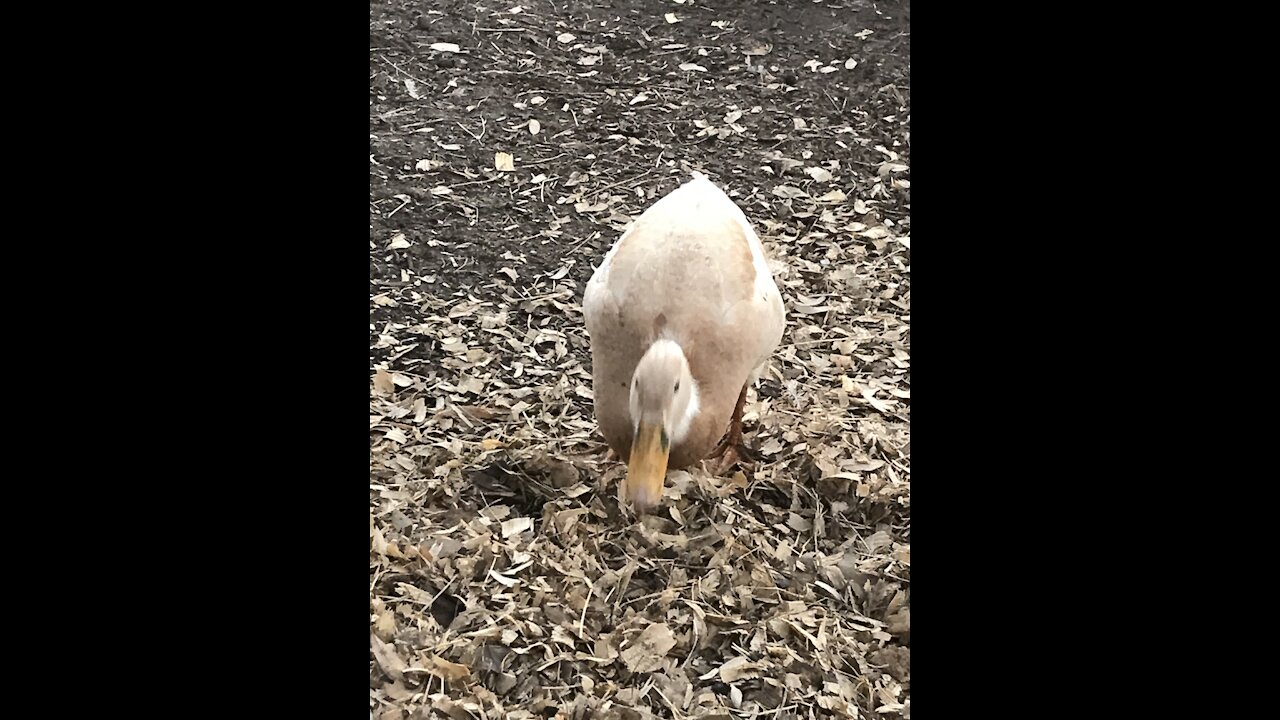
{"type": "Point", "coordinates": [682, 316]}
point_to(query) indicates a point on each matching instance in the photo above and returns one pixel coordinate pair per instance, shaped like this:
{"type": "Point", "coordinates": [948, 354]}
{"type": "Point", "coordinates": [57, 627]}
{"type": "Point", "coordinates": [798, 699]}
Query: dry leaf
{"type": "Point", "coordinates": [450, 671]}
{"type": "Point", "coordinates": [671, 18]}
{"type": "Point", "coordinates": [566, 37]}
{"type": "Point", "coordinates": [692, 67]}
{"type": "Point", "coordinates": [534, 127]}
{"type": "Point", "coordinates": [515, 526]}
{"type": "Point", "coordinates": [398, 242]}
{"type": "Point", "coordinates": [503, 162]}
{"type": "Point", "coordinates": [385, 626]}
{"type": "Point", "coordinates": [738, 668]}
{"type": "Point", "coordinates": [412, 87]}
{"type": "Point", "coordinates": [445, 47]}
{"type": "Point", "coordinates": [382, 384]}
{"type": "Point", "coordinates": [387, 657]}
{"type": "Point", "coordinates": [819, 174]}
{"type": "Point", "coordinates": [646, 652]}
{"type": "Point", "coordinates": [641, 97]}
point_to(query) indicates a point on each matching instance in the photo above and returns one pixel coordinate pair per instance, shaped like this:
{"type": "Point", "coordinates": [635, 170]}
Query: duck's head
{"type": "Point", "coordinates": [664, 401]}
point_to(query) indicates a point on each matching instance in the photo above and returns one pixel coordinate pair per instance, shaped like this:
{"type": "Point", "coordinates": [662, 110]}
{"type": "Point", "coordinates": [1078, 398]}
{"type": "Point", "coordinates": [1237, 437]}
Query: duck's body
{"type": "Point", "coordinates": [688, 290]}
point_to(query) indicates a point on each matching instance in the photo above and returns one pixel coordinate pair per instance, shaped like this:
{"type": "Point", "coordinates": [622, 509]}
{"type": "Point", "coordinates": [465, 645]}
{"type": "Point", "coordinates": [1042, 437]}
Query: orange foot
{"type": "Point", "coordinates": [732, 449]}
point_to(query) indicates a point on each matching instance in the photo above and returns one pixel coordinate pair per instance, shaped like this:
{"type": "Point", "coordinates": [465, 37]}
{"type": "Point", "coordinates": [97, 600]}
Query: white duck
{"type": "Point", "coordinates": [683, 315]}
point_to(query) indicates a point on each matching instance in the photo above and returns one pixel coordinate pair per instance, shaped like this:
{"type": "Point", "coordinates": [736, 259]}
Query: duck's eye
{"type": "Point", "coordinates": [666, 443]}
{"type": "Point", "coordinates": [677, 388]}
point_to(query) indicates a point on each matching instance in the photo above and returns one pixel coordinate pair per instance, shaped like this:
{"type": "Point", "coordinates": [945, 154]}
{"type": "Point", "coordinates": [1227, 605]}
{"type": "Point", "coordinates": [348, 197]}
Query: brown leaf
{"type": "Point", "coordinates": [646, 651]}
{"type": "Point", "coordinates": [382, 384]}
{"type": "Point", "coordinates": [450, 671]}
{"type": "Point", "coordinates": [385, 626]}
{"type": "Point", "coordinates": [387, 657]}
{"type": "Point", "coordinates": [739, 668]}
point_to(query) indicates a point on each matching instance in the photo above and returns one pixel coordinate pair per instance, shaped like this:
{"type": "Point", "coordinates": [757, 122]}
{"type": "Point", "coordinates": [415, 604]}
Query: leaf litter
{"type": "Point", "coordinates": [505, 579]}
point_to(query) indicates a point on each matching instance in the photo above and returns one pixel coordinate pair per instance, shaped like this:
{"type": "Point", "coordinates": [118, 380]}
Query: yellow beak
{"type": "Point", "coordinates": [647, 467]}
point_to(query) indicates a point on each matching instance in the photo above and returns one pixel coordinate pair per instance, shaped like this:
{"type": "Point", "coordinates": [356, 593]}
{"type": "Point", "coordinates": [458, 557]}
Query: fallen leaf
{"type": "Point", "coordinates": [449, 671]}
{"type": "Point", "coordinates": [382, 384]}
{"type": "Point", "coordinates": [515, 526]}
{"type": "Point", "coordinates": [566, 37]}
{"type": "Point", "coordinates": [534, 127]}
{"type": "Point", "coordinates": [503, 162]}
{"type": "Point", "coordinates": [850, 64]}
{"type": "Point", "coordinates": [869, 395]}
{"type": "Point", "coordinates": [441, 190]}
{"type": "Point", "coordinates": [819, 174]}
{"type": "Point", "coordinates": [671, 18]}
{"type": "Point", "coordinates": [641, 97]}
{"type": "Point", "coordinates": [692, 67]}
{"type": "Point", "coordinates": [398, 242]}
{"type": "Point", "coordinates": [903, 554]}
{"type": "Point", "coordinates": [445, 47]}
{"type": "Point", "coordinates": [412, 87]}
{"type": "Point", "coordinates": [738, 668]}
{"type": "Point", "coordinates": [423, 165]}
{"type": "Point", "coordinates": [646, 651]}
{"type": "Point", "coordinates": [385, 626]}
{"type": "Point", "coordinates": [387, 657]}
{"type": "Point", "coordinates": [506, 581]}
{"type": "Point", "coordinates": [396, 691]}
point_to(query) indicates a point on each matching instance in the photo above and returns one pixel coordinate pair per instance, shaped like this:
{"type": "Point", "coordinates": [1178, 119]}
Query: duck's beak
{"type": "Point", "coordinates": [647, 466]}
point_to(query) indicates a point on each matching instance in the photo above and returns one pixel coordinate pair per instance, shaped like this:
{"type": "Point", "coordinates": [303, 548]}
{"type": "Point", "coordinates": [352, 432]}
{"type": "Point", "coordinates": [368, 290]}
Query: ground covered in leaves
{"type": "Point", "coordinates": [510, 143]}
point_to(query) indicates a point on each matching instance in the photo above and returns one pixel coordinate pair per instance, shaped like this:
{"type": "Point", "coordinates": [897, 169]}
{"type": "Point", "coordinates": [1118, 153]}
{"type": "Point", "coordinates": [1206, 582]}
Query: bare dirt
{"type": "Point", "coordinates": [505, 581]}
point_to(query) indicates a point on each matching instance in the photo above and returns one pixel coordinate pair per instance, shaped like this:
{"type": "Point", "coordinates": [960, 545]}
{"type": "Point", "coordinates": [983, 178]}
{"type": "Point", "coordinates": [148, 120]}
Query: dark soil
{"type": "Point", "coordinates": [461, 240]}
